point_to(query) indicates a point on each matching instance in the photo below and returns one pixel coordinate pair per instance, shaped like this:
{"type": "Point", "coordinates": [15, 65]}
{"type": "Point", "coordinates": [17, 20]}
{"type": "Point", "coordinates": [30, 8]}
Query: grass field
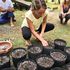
{"type": "Point", "coordinates": [14, 33]}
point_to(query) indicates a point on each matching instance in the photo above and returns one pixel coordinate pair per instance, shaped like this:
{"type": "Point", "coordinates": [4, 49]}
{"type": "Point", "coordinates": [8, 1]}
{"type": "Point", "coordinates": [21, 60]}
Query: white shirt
{"type": "Point", "coordinates": [36, 22]}
{"type": "Point", "coordinates": [6, 4]}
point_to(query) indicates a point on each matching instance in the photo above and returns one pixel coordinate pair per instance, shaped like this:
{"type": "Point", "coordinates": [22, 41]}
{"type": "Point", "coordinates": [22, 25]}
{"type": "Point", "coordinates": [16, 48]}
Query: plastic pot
{"type": "Point", "coordinates": [9, 69]}
{"type": "Point", "coordinates": [59, 57]}
{"type": "Point", "coordinates": [60, 44]}
{"type": "Point", "coordinates": [67, 51]}
{"type": "Point", "coordinates": [44, 62]}
{"type": "Point", "coordinates": [18, 54]}
{"type": "Point", "coordinates": [4, 62]}
{"type": "Point", "coordinates": [34, 51]}
{"type": "Point", "coordinates": [48, 49]}
{"type": "Point", "coordinates": [58, 68]}
{"type": "Point", "coordinates": [67, 66]}
{"type": "Point", "coordinates": [27, 64]}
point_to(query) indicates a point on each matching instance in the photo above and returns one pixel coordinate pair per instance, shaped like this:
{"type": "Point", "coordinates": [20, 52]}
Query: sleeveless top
{"type": "Point", "coordinates": [30, 16]}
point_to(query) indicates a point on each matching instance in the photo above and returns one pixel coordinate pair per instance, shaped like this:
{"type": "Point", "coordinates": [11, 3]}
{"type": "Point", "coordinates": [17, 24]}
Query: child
{"type": "Point", "coordinates": [6, 11]}
{"type": "Point", "coordinates": [65, 11]}
{"type": "Point", "coordinates": [36, 15]}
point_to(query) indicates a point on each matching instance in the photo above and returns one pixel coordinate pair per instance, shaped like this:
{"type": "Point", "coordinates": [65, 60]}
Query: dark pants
{"type": "Point", "coordinates": [26, 32]}
{"type": "Point", "coordinates": [67, 17]}
{"type": "Point", "coordinates": [4, 18]}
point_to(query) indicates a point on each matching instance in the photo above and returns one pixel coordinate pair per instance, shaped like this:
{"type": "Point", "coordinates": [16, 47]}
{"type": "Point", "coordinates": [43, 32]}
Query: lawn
{"type": "Point", "coordinates": [14, 33]}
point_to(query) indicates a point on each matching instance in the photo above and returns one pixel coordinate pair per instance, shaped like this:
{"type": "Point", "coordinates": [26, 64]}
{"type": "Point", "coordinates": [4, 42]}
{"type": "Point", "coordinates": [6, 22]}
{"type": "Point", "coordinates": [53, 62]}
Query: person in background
{"type": "Point", "coordinates": [65, 11]}
{"type": "Point", "coordinates": [35, 22]}
{"type": "Point", "coordinates": [6, 12]}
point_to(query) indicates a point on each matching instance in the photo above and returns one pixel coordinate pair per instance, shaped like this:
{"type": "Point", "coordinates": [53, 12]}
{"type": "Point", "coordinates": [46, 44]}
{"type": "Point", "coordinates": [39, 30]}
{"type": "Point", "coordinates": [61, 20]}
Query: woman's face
{"type": "Point", "coordinates": [3, 0]}
{"type": "Point", "coordinates": [67, 0]}
{"type": "Point", "coordinates": [40, 12]}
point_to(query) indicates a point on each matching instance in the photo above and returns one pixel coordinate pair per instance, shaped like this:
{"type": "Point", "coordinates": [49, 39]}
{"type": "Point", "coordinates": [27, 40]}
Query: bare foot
{"type": "Point", "coordinates": [28, 43]}
{"type": "Point", "coordinates": [12, 25]}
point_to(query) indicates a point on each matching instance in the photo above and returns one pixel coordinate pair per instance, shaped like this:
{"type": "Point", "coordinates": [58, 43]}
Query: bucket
{"type": "Point", "coordinates": [58, 68]}
{"type": "Point", "coordinates": [59, 57]}
{"type": "Point", "coordinates": [67, 66]}
{"type": "Point", "coordinates": [67, 51]}
{"type": "Point", "coordinates": [4, 62]}
{"type": "Point", "coordinates": [9, 68]}
{"type": "Point", "coordinates": [60, 44]}
{"type": "Point", "coordinates": [44, 62]}
{"type": "Point", "coordinates": [27, 64]}
{"type": "Point", "coordinates": [48, 49]}
{"type": "Point", "coordinates": [34, 51]}
{"type": "Point", "coordinates": [18, 54]}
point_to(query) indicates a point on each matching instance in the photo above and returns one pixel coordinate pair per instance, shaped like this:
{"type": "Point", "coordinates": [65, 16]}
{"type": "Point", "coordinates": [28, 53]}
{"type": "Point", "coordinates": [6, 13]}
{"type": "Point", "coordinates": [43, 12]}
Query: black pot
{"type": "Point", "coordinates": [4, 62]}
{"type": "Point", "coordinates": [44, 62]}
{"type": "Point", "coordinates": [60, 44]}
{"type": "Point", "coordinates": [27, 64]}
{"type": "Point", "coordinates": [48, 49]}
{"type": "Point", "coordinates": [67, 51]}
{"type": "Point", "coordinates": [67, 66]}
{"type": "Point", "coordinates": [9, 69]}
{"type": "Point", "coordinates": [34, 51]}
{"type": "Point", "coordinates": [59, 57]}
{"type": "Point", "coordinates": [58, 68]}
{"type": "Point", "coordinates": [18, 54]}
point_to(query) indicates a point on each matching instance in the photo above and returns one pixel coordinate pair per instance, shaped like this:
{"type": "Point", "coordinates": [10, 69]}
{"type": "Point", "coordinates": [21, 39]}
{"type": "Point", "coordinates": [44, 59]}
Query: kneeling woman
{"type": "Point", "coordinates": [6, 12]}
{"type": "Point", "coordinates": [65, 11]}
{"type": "Point", "coordinates": [35, 16]}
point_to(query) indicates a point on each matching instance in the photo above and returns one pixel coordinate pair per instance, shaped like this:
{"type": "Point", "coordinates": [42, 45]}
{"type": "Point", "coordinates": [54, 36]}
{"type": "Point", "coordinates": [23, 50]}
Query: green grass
{"type": "Point", "coordinates": [14, 33]}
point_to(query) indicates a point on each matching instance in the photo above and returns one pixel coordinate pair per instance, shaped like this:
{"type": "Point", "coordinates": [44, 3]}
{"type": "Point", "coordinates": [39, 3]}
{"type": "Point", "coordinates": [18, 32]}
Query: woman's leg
{"type": "Point", "coordinates": [3, 18]}
{"type": "Point", "coordinates": [49, 27]}
{"type": "Point", "coordinates": [11, 18]}
{"type": "Point", "coordinates": [26, 33]}
{"type": "Point", "coordinates": [67, 17]}
{"type": "Point", "coordinates": [61, 18]}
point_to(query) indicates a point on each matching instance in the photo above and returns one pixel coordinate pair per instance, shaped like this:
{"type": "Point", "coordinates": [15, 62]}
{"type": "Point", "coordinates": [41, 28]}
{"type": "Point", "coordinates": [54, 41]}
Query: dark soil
{"type": "Point", "coordinates": [18, 53]}
{"type": "Point", "coordinates": [3, 59]}
{"type": "Point", "coordinates": [61, 43]}
{"type": "Point", "coordinates": [58, 56]}
{"type": "Point", "coordinates": [45, 62]}
{"type": "Point", "coordinates": [35, 50]}
{"type": "Point", "coordinates": [27, 65]}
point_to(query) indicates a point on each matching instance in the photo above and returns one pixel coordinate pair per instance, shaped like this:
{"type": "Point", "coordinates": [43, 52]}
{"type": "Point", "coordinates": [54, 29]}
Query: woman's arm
{"type": "Point", "coordinates": [61, 8]}
{"type": "Point", "coordinates": [10, 9]}
{"type": "Point", "coordinates": [31, 26]}
{"type": "Point", "coordinates": [2, 10]}
{"type": "Point", "coordinates": [68, 12]}
{"type": "Point", "coordinates": [43, 25]}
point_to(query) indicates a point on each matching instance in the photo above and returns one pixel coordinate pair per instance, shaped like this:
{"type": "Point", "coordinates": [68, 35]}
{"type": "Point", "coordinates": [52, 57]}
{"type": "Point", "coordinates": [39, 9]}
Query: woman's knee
{"type": "Point", "coordinates": [26, 33]}
{"type": "Point", "coordinates": [10, 14]}
{"type": "Point", "coordinates": [51, 26]}
{"type": "Point", "coordinates": [60, 16]}
{"type": "Point", "coordinates": [67, 16]}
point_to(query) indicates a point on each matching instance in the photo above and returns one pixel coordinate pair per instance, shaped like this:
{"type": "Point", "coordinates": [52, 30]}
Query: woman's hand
{"type": "Point", "coordinates": [64, 14]}
{"type": "Point", "coordinates": [44, 43]}
{"type": "Point", "coordinates": [41, 35]}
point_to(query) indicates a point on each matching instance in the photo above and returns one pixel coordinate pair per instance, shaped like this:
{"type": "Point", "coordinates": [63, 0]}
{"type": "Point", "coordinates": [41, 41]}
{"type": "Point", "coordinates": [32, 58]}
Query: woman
{"type": "Point", "coordinates": [6, 11]}
{"type": "Point", "coordinates": [36, 15]}
{"type": "Point", "coordinates": [65, 11]}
